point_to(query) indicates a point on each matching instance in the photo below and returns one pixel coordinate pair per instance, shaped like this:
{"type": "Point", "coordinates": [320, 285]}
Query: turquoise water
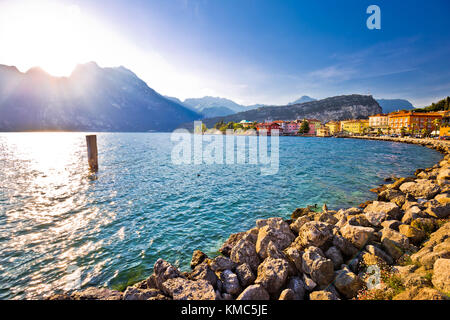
{"type": "Point", "coordinates": [62, 228]}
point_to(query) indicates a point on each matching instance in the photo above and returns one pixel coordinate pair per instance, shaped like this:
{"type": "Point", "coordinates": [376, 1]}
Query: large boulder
{"type": "Point", "coordinates": [441, 275]}
{"type": "Point", "coordinates": [93, 293]}
{"type": "Point", "coordinates": [378, 211]}
{"type": "Point", "coordinates": [298, 223]}
{"type": "Point", "coordinates": [345, 246]}
{"type": "Point", "coordinates": [221, 263]}
{"type": "Point", "coordinates": [439, 211]}
{"type": "Point", "coordinates": [412, 213]}
{"type": "Point", "coordinates": [204, 272]}
{"type": "Point", "coordinates": [276, 231]}
{"type": "Point", "coordinates": [443, 198]}
{"type": "Point", "coordinates": [391, 224]}
{"type": "Point", "coordinates": [245, 275]}
{"type": "Point", "coordinates": [347, 283]}
{"type": "Point", "coordinates": [245, 252]}
{"type": "Point", "coordinates": [394, 243]}
{"type": "Point", "coordinates": [322, 295]}
{"type": "Point", "coordinates": [437, 246]}
{"type": "Point", "coordinates": [326, 217]}
{"type": "Point", "coordinates": [422, 188]}
{"type": "Point", "coordinates": [197, 258]}
{"type": "Point", "coordinates": [254, 292]}
{"type": "Point", "coordinates": [417, 293]}
{"type": "Point", "coordinates": [414, 235]}
{"type": "Point", "coordinates": [299, 212]}
{"type": "Point", "coordinates": [230, 282]}
{"type": "Point", "coordinates": [317, 266]}
{"type": "Point", "coordinates": [429, 254]}
{"type": "Point", "coordinates": [309, 283]}
{"type": "Point", "coordinates": [294, 255]}
{"type": "Point", "coordinates": [184, 289]}
{"type": "Point", "coordinates": [164, 271]}
{"type": "Point", "coordinates": [334, 254]}
{"type": "Point", "coordinates": [443, 173]}
{"type": "Point", "coordinates": [272, 274]}
{"type": "Point", "coordinates": [297, 286]}
{"type": "Point", "coordinates": [132, 293]}
{"type": "Point", "coordinates": [379, 253]}
{"type": "Point", "coordinates": [314, 233]}
{"type": "Point", "coordinates": [389, 194]}
{"type": "Point", "coordinates": [396, 185]}
{"type": "Point", "coordinates": [230, 243]}
{"type": "Point", "coordinates": [357, 235]}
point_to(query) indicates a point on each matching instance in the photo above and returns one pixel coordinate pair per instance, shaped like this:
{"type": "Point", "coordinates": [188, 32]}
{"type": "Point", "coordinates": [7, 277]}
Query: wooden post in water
{"type": "Point", "coordinates": [91, 142]}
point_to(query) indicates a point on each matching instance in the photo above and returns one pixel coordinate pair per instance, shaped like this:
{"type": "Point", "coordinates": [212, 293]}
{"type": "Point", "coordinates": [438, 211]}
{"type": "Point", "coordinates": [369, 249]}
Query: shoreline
{"type": "Point", "coordinates": [317, 255]}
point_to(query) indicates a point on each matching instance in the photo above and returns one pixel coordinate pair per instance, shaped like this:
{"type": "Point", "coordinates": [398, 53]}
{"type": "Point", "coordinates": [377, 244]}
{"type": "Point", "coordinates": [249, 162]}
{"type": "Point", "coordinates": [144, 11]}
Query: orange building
{"type": "Point", "coordinates": [414, 122]}
{"type": "Point", "coordinates": [445, 126]}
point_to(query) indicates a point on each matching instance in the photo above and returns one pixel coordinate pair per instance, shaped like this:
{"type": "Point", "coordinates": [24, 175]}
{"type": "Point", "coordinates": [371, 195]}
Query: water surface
{"type": "Point", "coordinates": [62, 228]}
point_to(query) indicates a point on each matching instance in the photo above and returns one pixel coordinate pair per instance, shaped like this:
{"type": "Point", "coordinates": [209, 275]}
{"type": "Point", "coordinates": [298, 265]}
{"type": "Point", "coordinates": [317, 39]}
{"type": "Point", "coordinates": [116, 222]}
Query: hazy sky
{"type": "Point", "coordinates": [251, 51]}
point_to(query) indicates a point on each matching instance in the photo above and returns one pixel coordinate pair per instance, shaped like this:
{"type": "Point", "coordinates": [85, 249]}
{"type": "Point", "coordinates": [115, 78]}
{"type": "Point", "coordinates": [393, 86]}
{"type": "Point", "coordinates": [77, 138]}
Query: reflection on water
{"type": "Point", "coordinates": [43, 196]}
{"type": "Point", "coordinates": [62, 228]}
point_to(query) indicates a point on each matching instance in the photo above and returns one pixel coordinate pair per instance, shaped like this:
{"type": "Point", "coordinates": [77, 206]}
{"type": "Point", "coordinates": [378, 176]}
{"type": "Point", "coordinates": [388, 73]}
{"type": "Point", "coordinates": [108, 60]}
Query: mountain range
{"type": "Point", "coordinates": [210, 107]}
{"type": "Point", "coordinates": [90, 99]}
{"type": "Point", "coordinates": [115, 99]}
{"type": "Point", "coordinates": [391, 105]}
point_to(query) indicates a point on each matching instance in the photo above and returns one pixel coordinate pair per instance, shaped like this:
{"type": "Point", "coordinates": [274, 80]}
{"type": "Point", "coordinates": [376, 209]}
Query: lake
{"type": "Point", "coordinates": [62, 228]}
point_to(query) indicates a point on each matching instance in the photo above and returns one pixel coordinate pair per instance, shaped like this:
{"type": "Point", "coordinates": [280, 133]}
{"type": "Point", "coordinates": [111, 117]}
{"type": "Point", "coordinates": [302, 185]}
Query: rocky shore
{"type": "Point", "coordinates": [397, 247]}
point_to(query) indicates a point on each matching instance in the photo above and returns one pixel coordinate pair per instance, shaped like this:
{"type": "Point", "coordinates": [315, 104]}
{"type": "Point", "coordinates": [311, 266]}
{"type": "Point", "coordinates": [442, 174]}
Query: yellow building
{"type": "Point", "coordinates": [323, 131]}
{"type": "Point", "coordinates": [334, 127]}
{"type": "Point", "coordinates": [354, 126]}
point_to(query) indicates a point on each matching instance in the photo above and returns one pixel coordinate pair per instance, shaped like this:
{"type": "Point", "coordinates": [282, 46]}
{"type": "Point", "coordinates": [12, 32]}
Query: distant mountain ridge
{"type": "Point", "coordinates": [302, 99]}
{"type": "Point", "coordinates": [333, 108]}
{"type": "Point", "coordinates": [391, 105]}
{"type": "Point", "coordinates": [211, 107]}
{"type": "Point", "coordinates": [90, 99]}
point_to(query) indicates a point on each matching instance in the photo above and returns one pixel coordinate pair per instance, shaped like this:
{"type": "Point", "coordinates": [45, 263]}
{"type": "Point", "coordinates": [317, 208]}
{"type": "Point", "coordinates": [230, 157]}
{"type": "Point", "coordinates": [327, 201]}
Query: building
{"type": "Point", "coordinates": [314, 124]}
{"type": "Point", "coordinates": [323, 131]}
{"type": "Point", "coordinates": [379, 121]}
{"type": "Point", "coordinates": [414, 122]}
{"type": "Point", "coordinates": [269, 127]}
{"type": "Point", "coordinates": [281, 123]}
{"type": "Point", "coordinates": [291, 127]}
{"type": "Point", "coordinates": [445, 126]}
{"type": "Point", "coordinates": [334, 127]}
{"type": "Point", "coordinates": [354, 126]}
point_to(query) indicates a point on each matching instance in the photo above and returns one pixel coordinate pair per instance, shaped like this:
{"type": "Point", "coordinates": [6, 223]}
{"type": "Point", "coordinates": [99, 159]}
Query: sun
{"type": "Point", "coordinates": [51, 35]}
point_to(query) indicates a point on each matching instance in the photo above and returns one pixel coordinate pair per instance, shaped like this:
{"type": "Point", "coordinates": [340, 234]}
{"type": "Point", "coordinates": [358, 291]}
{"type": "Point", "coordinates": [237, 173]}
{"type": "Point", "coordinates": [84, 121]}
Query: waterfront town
{"type": "Point", "coordinates": [400, 123]}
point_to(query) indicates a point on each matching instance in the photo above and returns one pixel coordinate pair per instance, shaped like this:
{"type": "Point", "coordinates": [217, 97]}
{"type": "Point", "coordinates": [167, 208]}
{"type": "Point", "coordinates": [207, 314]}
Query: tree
{"type": "Point", "coordinates": [424, 133]}
{"type": "Point", "coordinates": [403, 131]}
{"type": "Point", "coordinates": [237, 126]}
{"type": "Point", "coordinates": [304, 127]}
{"type": "Point", "coordinates": [218, 125]}
{"type": "Point", "coordinates": [203, 129]}
{"type": "Point", "coordinates": [436, 124]}
{"type": "Point", "coordinates": [379, 132]}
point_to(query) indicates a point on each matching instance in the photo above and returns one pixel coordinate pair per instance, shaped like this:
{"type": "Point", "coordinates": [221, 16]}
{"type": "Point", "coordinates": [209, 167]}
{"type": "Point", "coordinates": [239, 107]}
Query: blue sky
{"type": "Point", "coordinates": [272, 52]}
